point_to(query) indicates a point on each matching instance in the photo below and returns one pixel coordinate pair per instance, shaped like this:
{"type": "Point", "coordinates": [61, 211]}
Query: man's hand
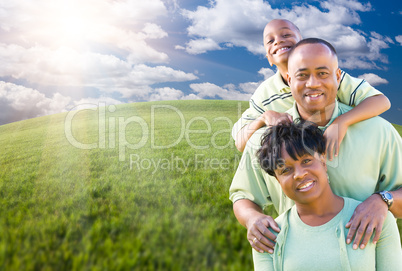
{"type": "Point", "coordinates": [367, 217]}
{"type": "Point", "coordinates": [334, 135]}
{"type": "Point", "coordinates": [258, 234]}
{"type": "Point", "coordinates": [274, 118]}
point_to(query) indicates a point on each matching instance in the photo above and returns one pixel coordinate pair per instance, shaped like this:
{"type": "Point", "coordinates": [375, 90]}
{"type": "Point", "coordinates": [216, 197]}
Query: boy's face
{"type": "Point", "coordinates": [279, 37]}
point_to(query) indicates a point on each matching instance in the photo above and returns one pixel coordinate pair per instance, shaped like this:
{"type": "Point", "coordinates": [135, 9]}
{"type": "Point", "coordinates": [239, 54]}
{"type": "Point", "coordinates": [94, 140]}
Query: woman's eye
{"type": "Point", "coordinates": [305, 161]}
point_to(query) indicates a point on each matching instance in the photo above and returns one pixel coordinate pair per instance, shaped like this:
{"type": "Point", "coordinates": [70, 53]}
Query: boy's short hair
{"type": "Point", "coordinates": [298, 138]}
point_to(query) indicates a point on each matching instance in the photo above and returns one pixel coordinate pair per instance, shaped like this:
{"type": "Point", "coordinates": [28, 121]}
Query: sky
{"type": "Point", "coordinates": [62, 55]}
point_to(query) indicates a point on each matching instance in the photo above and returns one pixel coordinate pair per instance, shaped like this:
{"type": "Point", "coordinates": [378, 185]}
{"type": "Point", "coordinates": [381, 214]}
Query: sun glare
{"type": "Point", "coordinates": [71, 22]}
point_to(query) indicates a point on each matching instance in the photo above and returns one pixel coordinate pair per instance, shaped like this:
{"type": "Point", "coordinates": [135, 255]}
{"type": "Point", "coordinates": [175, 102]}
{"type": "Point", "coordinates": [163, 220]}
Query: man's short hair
{"type": "Point", "coordinates": [298, 138]}
{"type": "Point", "coordinates": [313, 41]}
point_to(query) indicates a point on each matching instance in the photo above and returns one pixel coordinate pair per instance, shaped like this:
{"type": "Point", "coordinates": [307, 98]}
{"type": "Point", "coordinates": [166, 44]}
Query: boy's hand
{"type": "Point", "coordinates": [334, 135]}
{"type": "Point", "coordinates": [271, 117]}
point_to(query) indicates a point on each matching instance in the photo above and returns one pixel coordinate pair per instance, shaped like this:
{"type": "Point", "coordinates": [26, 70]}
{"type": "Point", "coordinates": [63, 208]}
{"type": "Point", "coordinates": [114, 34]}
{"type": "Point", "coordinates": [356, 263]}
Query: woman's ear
{"type": "Point", "coordinates": [323, 159]}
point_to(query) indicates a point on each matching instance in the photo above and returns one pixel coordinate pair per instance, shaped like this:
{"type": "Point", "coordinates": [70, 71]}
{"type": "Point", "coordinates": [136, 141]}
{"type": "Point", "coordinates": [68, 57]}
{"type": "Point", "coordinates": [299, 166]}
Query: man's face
{"type": "Point", "coordinates": [313, 77]}
{"type": "Point", "coordinates": [279, 37]}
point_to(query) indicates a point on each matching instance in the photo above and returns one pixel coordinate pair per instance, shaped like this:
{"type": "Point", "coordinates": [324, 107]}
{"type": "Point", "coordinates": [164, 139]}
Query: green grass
{"type": "Point", "coordinates": [122, 208]}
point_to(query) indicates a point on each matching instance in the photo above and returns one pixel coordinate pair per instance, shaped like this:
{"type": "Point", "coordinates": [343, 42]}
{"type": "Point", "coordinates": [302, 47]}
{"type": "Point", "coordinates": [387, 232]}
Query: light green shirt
{"type": "Point", "coordinates": [274, 94]}
{"type": "Point", "coordinates": [370, 160]}
{"type": "Point", "coordinates": [303, 247]}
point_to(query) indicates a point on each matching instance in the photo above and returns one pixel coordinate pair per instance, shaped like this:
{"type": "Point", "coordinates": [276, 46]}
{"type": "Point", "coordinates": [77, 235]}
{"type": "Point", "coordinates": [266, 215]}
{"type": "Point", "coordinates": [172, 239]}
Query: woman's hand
{"type": "Point", "coordinates": [258, 234]}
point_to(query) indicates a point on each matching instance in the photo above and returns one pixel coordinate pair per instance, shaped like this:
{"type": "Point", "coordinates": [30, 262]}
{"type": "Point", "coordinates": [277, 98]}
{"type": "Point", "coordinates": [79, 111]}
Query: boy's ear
{"type": "Point", "coordinates": [288, 78]}
{"type": "Point", "coordinates": [269, 61]}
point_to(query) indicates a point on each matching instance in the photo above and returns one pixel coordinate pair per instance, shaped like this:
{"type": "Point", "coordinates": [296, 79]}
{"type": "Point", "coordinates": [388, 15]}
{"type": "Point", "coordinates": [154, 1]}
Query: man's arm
{"type": "Point", "coordinates": [396, 208]}
{"type": "Point", "coordinates": [251, 216]}
{"type": "Point", "coordinates": [368, 108]}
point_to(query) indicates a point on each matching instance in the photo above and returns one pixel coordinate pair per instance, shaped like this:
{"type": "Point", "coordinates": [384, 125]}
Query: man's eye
{"type": "Point", "coordinates": [270, 41]}
{"type": "Point", "coordinates": [285, 170]}
{"type": "Point", "coordinates": [301, 75]}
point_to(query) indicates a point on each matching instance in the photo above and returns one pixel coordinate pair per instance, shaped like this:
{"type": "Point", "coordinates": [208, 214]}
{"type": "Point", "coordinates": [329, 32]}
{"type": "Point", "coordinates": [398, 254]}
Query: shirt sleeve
{"type": "Point", "coordinates": [353, 91]}
{"type": "Point", "coordinates": [248, 181]}
{"type": "Point", "coordinates": [251, 113]}
{"type": "Point", "coordinates": [263, 261]}
{"type": "Point", "coordinates": [388, 248]}
{"type": "Point", "coordinates": [391, 160]}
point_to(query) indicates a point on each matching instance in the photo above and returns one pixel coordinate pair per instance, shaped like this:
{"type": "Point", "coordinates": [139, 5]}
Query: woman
{"type": "Point", "coordinates": [313, 235]}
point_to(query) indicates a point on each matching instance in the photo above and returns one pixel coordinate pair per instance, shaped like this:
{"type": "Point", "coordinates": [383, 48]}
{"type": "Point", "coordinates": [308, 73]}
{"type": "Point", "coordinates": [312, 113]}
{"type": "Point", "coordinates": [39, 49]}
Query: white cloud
{"type": "Point", "coordinates": [166, 94]}
{"type": "Point", "coordinates": [200, 46]}
{"type": "Point", "coordinates": [209, 90]}
{"type": "Point", "coordinates": [236, 22]}
{"type": "Point", "coordinates": [266, 73]}
{"type": "Point", "coordinates": [241, 23]}
{"type": "Point", "coordinates": [373, 79]}
{"type": "Point", "coordinates": [18, 102]}
{"type": "Point", "coordinates": [399, 39]}
{"type": "Point", "coordinates": [67, 67]}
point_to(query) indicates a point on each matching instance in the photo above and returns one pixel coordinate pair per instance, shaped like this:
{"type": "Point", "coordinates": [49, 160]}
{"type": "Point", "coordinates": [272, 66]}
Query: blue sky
{"type": "Point", "coordinates": [60, 55]}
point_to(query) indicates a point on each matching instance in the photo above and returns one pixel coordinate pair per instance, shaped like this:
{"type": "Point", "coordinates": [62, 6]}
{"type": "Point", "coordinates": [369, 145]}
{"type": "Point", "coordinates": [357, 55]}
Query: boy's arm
{"type": "Point", "coordinates": [268, 117]}
{"type": "Point", "coordinates": [368, 108]}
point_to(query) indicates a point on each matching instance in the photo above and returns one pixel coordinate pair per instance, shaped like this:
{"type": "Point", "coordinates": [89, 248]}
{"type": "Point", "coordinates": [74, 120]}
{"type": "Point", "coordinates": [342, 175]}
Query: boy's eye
{"type": "Point", "coordinates": [270, 41]}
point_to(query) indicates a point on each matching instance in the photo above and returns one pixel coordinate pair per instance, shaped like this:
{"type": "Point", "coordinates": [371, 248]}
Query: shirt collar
{"type": "Point", "coordinates": [295, 114]}
{"type": "Point", "coordinates": [279, 84]}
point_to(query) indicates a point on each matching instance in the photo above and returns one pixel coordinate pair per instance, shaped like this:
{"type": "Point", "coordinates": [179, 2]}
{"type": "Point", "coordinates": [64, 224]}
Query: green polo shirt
{"type": "Point", "coordinates": [274, 94]}
{"type": "Point", "coordinates": [370, 159]}
{"type": "Point", "coordinates": [303, 247]}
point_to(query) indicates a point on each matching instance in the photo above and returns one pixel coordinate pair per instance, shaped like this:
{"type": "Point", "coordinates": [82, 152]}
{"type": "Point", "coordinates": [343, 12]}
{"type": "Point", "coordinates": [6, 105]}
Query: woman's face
{"type": "Point", "coordinates": [302, 180]}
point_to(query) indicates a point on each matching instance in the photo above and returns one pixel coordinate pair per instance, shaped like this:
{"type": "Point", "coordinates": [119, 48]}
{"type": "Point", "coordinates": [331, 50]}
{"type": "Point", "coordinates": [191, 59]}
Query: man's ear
{"type": "Point", "coordinates": [338, 75]}
{"type": "Point", "coordinates": [288, 78]}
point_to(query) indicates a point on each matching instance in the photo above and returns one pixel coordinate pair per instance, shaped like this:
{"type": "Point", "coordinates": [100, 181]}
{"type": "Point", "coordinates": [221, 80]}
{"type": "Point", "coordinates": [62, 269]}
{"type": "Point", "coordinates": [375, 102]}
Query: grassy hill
{"type": "Point", "coordinates": [134, 187]}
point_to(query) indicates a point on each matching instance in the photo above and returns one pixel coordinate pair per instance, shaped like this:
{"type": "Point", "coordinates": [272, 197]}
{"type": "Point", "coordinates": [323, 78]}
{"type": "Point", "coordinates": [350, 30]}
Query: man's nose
{"type": "Point", "coordinates": [313, 82]}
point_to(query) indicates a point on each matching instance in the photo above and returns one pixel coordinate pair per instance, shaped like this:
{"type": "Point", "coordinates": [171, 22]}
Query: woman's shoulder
{"type": "Point", "coordinates": [350, 205]}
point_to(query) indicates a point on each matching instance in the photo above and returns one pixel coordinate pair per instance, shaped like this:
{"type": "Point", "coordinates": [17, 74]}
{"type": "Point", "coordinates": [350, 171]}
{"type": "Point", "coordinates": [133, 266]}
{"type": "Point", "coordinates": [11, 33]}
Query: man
{"type": "Point", "coordinates": [369, 160]}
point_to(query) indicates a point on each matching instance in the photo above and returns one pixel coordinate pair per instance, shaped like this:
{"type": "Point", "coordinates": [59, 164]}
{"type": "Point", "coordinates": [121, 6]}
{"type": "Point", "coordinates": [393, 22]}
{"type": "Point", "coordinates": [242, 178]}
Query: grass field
{"type": "Point", "coordinates": [134, 187]}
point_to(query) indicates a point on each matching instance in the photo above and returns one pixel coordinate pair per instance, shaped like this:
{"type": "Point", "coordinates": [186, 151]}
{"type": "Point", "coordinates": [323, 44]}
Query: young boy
{"type": "Point", "coordinates": [273, 96]}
